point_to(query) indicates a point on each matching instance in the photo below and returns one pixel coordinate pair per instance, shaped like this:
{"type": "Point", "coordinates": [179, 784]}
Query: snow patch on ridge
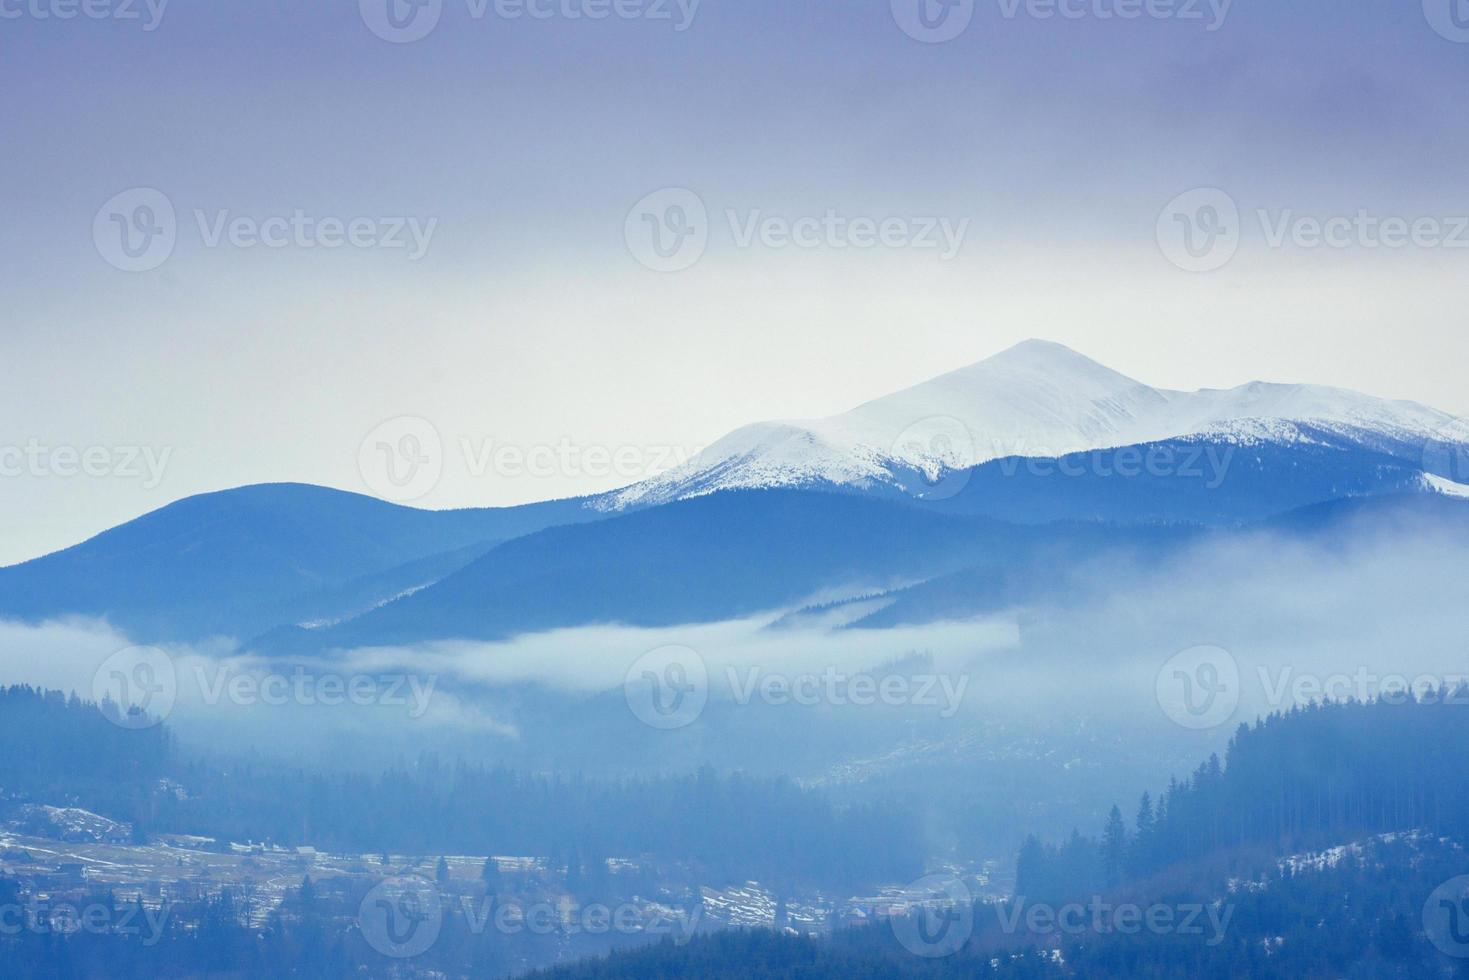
{"type": "Point", "coordinates": [1038, 399]}
{"type": "Point", "coordinates": [1444, 486]}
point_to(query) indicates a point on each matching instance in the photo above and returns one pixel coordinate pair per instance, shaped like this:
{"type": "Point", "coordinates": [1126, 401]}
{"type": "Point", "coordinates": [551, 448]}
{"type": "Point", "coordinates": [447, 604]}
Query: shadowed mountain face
{"type": "Point", "coordinates": [234, 563]}
{"type": "Point", "coordinates": [737, 554]}
{"type": "Point", "coordinates": [711, 558]}
{"type": "Point", "coordinates": [1189, 480]}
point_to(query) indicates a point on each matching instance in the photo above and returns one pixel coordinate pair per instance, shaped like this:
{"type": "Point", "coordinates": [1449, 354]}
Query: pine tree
{"type": "Point", "coordinates": [1114, 847]}
{"type": "Point", "coordinates": [1142, 858]}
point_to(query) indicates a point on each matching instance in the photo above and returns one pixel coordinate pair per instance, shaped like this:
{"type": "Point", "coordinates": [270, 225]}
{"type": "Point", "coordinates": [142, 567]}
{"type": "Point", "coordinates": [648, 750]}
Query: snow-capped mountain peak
{"type": "Point", "coordinates": [1037, 399]}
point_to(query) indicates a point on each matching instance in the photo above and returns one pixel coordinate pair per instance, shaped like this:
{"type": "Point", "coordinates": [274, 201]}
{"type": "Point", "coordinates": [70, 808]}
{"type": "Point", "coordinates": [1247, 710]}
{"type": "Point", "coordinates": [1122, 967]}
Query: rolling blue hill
{"type": "Point", "coordinates": [241, 561]}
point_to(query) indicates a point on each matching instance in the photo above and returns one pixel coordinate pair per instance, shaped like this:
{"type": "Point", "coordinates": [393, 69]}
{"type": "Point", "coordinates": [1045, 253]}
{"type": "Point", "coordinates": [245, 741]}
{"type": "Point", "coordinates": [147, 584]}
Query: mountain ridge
{"type": "Point", "coordinates": [1036, 399]}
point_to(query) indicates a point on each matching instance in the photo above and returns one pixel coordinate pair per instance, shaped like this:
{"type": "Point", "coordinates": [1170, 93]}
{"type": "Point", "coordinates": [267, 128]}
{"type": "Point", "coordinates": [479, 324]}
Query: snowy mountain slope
{"type": "Point", "coordinates": [1037, 399]}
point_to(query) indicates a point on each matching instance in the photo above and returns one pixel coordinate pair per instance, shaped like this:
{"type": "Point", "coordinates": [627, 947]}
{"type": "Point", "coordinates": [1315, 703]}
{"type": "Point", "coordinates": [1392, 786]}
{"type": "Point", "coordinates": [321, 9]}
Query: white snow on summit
{"type": "Point", "coordinates": [1036, 399]}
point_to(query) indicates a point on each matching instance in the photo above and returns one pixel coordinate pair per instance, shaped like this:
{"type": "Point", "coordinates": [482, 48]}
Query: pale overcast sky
{"type": "Point", "coordinates": [517, 149]}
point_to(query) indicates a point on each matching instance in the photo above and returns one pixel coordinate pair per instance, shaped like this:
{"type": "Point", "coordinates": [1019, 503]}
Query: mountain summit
{"type": "Point", "coordinates": [1037, 399]}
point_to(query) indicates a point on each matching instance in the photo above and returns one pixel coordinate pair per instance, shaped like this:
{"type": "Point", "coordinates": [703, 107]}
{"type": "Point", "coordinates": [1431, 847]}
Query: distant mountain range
{"type": "Point", "coordinates": [946, 499]}
{"type": "Point", "coordinates": [1039, 400]}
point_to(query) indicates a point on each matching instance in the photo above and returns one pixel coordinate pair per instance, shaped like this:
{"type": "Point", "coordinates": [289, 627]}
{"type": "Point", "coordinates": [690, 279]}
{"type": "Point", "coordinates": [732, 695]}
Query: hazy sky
{"type": "Point", "coordinates": [518, 149]}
